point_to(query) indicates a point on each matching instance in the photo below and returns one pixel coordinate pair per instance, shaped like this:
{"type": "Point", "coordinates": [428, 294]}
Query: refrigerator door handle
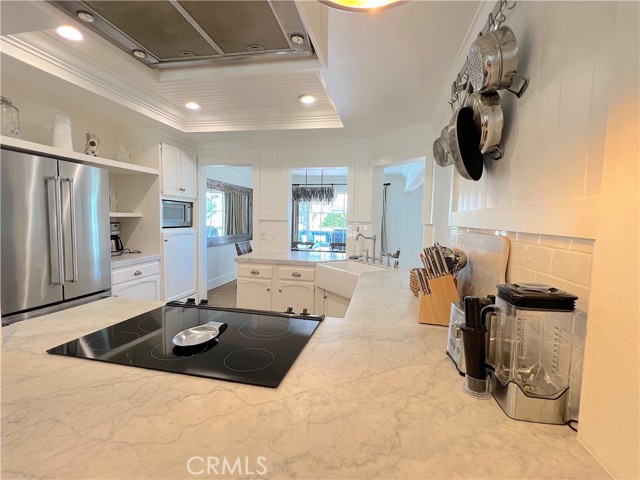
{"type": "Point", "coordinates": [74, 245]}
{"type": "Point", "coordinates": [57, 270]}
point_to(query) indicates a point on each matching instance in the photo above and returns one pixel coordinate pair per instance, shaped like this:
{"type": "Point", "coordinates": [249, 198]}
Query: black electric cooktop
{"type": "Point", "coordinates": [256, 347]}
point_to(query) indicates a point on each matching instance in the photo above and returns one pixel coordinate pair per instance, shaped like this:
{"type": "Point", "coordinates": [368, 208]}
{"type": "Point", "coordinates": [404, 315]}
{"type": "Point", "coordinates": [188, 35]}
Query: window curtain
{"type": "Point", "coordinates": [383, 225]}
{"type": "Point", "coordinates": [236, 221]}
{"type": "Point", "coordinates": [295, 221]}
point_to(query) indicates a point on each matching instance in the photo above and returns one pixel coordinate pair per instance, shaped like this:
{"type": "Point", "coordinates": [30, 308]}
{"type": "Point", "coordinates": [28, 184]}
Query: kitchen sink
{"type": "Point", "coordinates": [342, 277]}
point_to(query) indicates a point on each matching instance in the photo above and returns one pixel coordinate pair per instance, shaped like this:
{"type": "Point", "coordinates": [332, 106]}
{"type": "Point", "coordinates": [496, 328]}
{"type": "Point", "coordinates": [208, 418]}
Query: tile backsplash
{"type": "Point", "coordinates": [561, 262]}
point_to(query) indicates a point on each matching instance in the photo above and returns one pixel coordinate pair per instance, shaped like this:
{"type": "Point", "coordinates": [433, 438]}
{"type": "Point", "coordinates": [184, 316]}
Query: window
{"type": "Point", "coordinates": [215, 213]}
{"type": "Point", "coordinates": [319, 225]}
{"type": "Point", "coordinates": [229, 216]}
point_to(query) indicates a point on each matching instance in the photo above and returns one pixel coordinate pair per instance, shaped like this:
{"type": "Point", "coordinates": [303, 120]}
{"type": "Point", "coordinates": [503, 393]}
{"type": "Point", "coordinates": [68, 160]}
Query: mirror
{"type": "Point", "coordinates": [229, 213]}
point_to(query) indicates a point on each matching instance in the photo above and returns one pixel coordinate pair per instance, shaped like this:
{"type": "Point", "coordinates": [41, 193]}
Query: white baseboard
{"type": "Point", "coordinates": [221, 280]}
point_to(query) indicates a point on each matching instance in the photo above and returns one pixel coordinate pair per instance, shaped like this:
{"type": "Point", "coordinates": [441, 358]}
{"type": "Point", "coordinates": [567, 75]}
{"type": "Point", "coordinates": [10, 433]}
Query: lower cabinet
{"type": "Point", "coordinates": [335, 305]}
{"type": "Point", "coordinates": [179, 263]}
{"type": "Point", "coordinates": [140, 281]}
{"type": "Point", "coordinates": [297, 295]}
{"type": "Point", "coordinates": [253, 293]}
{"type": "Point", "coordinates": [274, 287]}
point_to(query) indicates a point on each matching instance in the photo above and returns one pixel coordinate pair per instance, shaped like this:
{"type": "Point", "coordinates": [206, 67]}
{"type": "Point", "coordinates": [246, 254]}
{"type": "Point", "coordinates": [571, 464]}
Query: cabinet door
{"type": "Point", "coordinates": [335, 305]}
{"type": "Point", "coordinates": [171, 171]}
{"type": "Point", "coordinates": [298, 295]}
{"type": "Point", "coordinates": [254, 293]}
{"type": "Point", "coordinates": [188, 174]}
{"type": "Point", "coordinates": [179, 262]}
{"type": "Point", "coordinates": [147, 288]}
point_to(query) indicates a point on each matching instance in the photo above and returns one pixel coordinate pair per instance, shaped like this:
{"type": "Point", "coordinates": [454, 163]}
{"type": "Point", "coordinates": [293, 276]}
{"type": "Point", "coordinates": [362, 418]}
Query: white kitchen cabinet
{"type": "Point", "coordinates": [276, 287]}
{"type": "Point", "coordinates": [335, 305]}
{"type": "Point", "coordinates": [294, 294]}
{"type": "Point", "coordinates": [178, 263]}
{"type": "Point", "coordinates": [330, 304]}
{"type": "Point", "coordinates": [178, 172]}
{"type": "Point", "coordinates": [141, 280]}
{"type": "Point", "coordinates": [254, 293]}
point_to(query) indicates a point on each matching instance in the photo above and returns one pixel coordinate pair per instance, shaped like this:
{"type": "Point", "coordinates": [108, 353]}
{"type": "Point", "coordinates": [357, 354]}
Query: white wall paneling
{"type": "Point", "coordinates": [553, 139]}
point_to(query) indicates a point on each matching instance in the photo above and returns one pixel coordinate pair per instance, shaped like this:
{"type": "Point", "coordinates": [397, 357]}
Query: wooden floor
{"type": "Point", "coordinates": [224, 296]}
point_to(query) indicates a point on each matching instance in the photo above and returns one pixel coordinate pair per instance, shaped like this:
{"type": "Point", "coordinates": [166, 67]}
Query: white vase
{"type": "Point", "coordinates": [62, 132]}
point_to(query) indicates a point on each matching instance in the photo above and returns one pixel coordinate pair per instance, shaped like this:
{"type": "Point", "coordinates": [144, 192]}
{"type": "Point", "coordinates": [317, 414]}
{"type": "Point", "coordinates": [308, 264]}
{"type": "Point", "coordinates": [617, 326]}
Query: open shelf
{"type": "Point", "coordinates": [113, 166]}
{"type": "Point", "coordinates": [125, 215]}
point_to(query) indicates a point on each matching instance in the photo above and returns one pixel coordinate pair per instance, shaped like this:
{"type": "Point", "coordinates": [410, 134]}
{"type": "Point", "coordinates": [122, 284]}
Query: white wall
{"type": "Point", "coordinates": [271, 177]}
{"type": "Point", "coordinates": [221, 267]}
{"type": "Point", "coordinates": [569, 176]}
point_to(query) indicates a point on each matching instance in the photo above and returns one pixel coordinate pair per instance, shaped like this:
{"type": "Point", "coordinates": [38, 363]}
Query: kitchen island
{"type": "Point", "coordinates": [372, 395]}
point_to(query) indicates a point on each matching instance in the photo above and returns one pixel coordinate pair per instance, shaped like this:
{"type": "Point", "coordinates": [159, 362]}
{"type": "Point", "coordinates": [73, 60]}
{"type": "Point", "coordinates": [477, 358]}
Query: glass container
{"type": "Point", "coordinates": [10, 118]}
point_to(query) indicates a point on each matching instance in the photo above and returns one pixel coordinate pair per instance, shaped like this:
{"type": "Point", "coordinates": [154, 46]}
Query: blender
{"type": "Point", "coordinates": [531, 329]}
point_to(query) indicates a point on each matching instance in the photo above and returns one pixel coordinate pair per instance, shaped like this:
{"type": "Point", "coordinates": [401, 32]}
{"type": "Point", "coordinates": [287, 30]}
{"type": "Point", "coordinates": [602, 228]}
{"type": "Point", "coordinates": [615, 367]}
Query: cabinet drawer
{"type": "Point", "coordinates": [126, 274]}
{"type": "Point", "coordinates": [292, 273]}
{"type": "Point", "coordinates": [255, 271]}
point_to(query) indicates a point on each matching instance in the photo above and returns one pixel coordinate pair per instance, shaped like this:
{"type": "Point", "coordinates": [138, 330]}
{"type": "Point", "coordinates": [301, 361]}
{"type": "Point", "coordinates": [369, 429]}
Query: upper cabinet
{"type": "Point", "coordinates": [178, 171]}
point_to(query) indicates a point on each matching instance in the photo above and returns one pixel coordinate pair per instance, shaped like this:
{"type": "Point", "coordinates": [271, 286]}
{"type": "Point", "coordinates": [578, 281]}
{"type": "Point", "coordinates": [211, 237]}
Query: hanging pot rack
{"type": "Point", "coordinates": [496, 18]}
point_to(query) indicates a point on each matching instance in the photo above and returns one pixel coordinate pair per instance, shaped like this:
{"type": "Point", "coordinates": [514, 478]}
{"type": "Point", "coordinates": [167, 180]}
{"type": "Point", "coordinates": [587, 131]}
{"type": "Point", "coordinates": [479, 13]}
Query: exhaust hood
{"type": "Point", "coordinates": [164, 34]}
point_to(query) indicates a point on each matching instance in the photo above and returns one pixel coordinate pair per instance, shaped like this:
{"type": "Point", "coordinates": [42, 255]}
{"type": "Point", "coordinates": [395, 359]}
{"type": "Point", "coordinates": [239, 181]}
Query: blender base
{"type": "Point", "coordinates": [515, 404]}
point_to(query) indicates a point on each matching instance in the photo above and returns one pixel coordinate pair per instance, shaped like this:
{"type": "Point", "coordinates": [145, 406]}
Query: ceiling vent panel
{"type": "Point", "coordinates": [235, 26]}
{"type": "Point", "coordinates": [156, 26]}
{"type": "Point", "coordinates": [185, 33]}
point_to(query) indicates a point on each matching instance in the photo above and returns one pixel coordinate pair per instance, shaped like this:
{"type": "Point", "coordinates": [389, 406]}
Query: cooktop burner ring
{"type": "Point", "coordinates": [242, 361]}
{"type": "Point", "coordinates": [145, 326]}
{"type": "Point", "coordinates": [112, 340]}
{"type": "Point", "coordinates": [268, 329]}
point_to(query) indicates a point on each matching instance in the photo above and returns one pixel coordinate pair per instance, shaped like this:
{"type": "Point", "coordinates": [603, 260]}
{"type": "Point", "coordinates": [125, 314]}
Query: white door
{"type": "Point", "coordinates": [188, 174]}
{"type": "Point", "coordinates": [297, 295]}
{"type": "Point", "coordinates": [254, 294]}
{"type": "Point", "coordinates": [171, 171]}
{"type": "Point", "coordinates": [179, 262]}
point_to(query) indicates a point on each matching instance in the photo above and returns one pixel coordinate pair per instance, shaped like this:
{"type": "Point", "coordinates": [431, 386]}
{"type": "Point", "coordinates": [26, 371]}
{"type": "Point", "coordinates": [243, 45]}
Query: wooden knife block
{"type": "Point", "coordinates": [435, 308]}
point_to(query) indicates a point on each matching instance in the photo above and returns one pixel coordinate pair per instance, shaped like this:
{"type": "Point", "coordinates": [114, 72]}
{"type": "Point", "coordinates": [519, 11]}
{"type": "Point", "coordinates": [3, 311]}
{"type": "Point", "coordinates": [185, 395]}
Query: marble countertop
{"type": "Point", "coordinates": [130, 259]}
{"type": "Point", "coordinates": [372, 395]}
{"type": "Point", "coordinates": [290, 258]}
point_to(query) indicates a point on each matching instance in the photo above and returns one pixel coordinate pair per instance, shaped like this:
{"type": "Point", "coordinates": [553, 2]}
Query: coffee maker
{"type": "Point", "coordinates": [117, 246]}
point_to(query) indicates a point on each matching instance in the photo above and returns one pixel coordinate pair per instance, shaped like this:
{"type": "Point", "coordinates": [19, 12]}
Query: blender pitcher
{"type": "Point", "coordinates": [532, 351]}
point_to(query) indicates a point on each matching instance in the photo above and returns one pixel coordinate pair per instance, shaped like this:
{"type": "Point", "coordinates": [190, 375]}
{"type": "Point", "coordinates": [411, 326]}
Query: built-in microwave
{"type": "Point", "coordinates": [176, 214]}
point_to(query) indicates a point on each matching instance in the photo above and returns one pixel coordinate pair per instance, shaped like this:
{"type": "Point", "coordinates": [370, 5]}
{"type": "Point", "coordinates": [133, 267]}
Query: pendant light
{"type": "Point", "coordinates": [362, 5]}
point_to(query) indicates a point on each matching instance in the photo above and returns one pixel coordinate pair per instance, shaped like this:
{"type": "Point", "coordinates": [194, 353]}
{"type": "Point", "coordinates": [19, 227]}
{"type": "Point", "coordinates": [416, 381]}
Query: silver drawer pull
{"type": "Point", "coordinates": [137, 273]}
{"type": "Point", "coordinates": [296, 274]}
{"type": "Point", "coordinates": [255, 272]}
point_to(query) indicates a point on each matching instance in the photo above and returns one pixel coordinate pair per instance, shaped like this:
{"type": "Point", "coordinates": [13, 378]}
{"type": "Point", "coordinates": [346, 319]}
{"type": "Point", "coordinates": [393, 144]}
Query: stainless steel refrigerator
{"type": "Point", "coordinates": [55, 234]}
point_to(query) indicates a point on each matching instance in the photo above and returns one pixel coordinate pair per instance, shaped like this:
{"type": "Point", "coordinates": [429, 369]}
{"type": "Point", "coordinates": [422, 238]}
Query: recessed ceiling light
{"type": "Point", "coordinates": [361, 5]}
{"type": "Point", "coordinates": [139, 54]}
{"type": "Point", "coordinates": [69, 32]}
{"type": "Point", "coordinates": [297, 39]}
{"type": "Point", "coordinates": [192, 106]}
{"type": "Point", "coordinates": [307, 99]}
{"type": "Point", "coordinates": [85, 17]}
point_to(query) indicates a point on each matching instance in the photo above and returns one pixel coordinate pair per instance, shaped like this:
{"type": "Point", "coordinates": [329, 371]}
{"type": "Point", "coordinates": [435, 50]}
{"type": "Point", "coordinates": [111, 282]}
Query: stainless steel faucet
{"type": "Point", "coordinates": [373, 254]}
